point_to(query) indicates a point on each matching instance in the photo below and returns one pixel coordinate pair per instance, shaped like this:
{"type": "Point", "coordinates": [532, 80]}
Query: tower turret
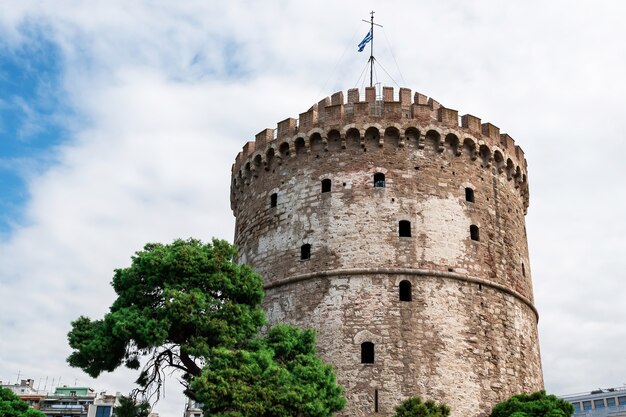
{"type": "Point", "coordinates": [396, 229]}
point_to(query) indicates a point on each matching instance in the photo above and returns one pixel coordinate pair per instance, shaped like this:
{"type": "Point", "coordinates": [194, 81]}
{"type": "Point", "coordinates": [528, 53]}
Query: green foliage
{"type": "Point", "coordinates": [129, 408]}
{"type": "Point", "coordinates": [276, 376]}
{"type": "Point", "coordinates": [189, 306]}
{"type": "Point", "coordinates": [414, 407]}
{"type": "Point", "coordinates": [12, 406]}
{"type": "Point", "coordinates": [175, 303]}
{"type": "Point", "coordinates": [537, 404]}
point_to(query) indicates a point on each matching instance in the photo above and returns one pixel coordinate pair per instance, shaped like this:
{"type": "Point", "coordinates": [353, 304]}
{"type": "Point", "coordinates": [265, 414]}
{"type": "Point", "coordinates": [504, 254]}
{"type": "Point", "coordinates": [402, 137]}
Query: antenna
{"type": "Point", "coordinates": [372, 59]}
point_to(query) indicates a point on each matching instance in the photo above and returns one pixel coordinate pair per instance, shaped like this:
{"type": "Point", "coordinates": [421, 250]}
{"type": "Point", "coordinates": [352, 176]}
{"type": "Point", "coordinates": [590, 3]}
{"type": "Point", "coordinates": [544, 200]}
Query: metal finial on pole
{"type": "Point", "coordinates": [372, 59]}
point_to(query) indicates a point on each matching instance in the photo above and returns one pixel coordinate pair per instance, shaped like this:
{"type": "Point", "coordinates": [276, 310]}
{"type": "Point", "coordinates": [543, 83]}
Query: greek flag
{"type": "Point", "coordinates": [365, 40]}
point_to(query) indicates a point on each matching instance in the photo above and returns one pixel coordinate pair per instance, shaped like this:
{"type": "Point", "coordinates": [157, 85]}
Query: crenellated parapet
{"type": "Point", "coordinates": [404, 121]}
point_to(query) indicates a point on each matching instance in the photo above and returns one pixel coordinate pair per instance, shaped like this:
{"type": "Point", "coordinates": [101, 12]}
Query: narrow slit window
{"type": "Point", "coordinates": [474, 232]}
{"type": "Point", "coordinates": [405, 291]}
{"type": "Point", "coordinates": [469, 195]}
{"type": "Point", "coordinates": [273, 200]}
{"type": "Point", "coordinates": [523, 270]}
{"type": "Point", "coordinates": [404, 228]}
{"type": "Point", "coordinates": [379, 180]}
{"type": "Point", "coordinates": [326, 184]}
{"type": "Point", "coordinates": [367, 352]}
{"type": "Point", "coordinates": [376, 400]}
{"type": "Point", "coordinates": [305, 251]}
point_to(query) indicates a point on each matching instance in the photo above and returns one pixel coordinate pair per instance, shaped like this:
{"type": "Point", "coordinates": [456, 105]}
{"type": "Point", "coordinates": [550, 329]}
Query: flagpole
{"type": "Point", "coordinates": [372, 59]}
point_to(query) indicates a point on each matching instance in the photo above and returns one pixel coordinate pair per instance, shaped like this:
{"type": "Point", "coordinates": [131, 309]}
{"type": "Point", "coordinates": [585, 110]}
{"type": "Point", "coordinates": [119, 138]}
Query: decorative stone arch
{"type": "Point", "coordinates": [432, 139]}
{"type": "Point", "coordinates": [392, 135]}
{"type": "Point", "coordinates": [300, 146]}
{"type": "Point", "coordinates": [366, 336]}
{"type": "Point", "coordinates": [372, 137]}
{"type": "Point", "coordinates": [247, 171]}
{"type": "Point", "coordinates": [485, 156]}
{"type": "Point", "coordinates": [353, 138]}
{"type": "Point", "coordinates": [257, 162]}
{"type": "Point", "coordinates": [510, 169]}
{"type": "Point", "coordinates": [269, 157]}
{"type": "Point", "coordinates": [469, 148]}
{"type": "Point", "coordinates": [452, 144]}
{"type": "Point", "coordinates": [284, 150]}
{"type": "Point", "coordinates": [517, 176]}
{"type": "Point", "coordinates": [498, 159]}
{"type": "Point", "coordinates": [316, 144]}
{"type": "Point", "coordinates": [412, 137]}
{"type": "Point", "coordinates": [334, 141]}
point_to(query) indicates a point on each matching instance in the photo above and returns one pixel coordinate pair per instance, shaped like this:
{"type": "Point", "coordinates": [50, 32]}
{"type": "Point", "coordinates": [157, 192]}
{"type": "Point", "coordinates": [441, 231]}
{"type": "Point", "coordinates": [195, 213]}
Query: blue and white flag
{"type": "Point", "coordinates": [365, 40]}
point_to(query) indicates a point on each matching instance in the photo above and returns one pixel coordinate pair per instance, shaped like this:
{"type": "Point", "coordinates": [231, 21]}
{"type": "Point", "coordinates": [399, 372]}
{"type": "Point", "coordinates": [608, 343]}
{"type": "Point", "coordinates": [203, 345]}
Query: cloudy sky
{"type": "Point", "coordinates": [119, 122]}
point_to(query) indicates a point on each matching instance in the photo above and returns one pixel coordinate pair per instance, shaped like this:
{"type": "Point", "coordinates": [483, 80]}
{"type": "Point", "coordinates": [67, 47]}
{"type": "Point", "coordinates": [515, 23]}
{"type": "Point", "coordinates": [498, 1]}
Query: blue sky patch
{"type": "Point", "coordinates": [31, 108]}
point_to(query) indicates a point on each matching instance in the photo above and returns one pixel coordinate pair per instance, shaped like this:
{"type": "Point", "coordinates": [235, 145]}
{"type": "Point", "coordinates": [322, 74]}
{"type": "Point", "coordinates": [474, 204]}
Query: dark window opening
{"type": "Point", "coordinates": [474, 232]}
{"type": "Point", "coordinates": [376, 400]}
{"type": "Point", "coordinates": [273, 200]}
{"type": "Point", "coordinates": [326, 185]}
{"type": "Point", "coordinates": [405, 291]}
{"type": "Point", "coordinates": [379, 180]}
{"type": "Point", "coordinates": [469, 195]}
{"type": "Point", "coordinates": [305, 251]}
{"type": "Point", "coordinates": [404, 228]}
{"type": "Point", "coordinates": [523, 270]}
{"type": "Point", "coordinates": [367, 352]}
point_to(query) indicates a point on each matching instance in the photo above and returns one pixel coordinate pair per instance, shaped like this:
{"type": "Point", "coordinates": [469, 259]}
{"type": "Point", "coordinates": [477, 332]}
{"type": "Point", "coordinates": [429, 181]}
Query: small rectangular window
{"type": "Point", "coordinates": [610, 402]}
{"type": "Point", "coordinates": [367, 352]}
{"type": "Point", "coordinates": [404, 228]}
{"type": "Point", "coordinates": [474, 234]}
{"type": "Point", "coordinates": [598, 403]}
{"type": "Point", "coordinates": [305, 252]}
{"type": "Point", "coordinates": [469, 195]}
{"type": "Point", "coordinates": [621, 400]}
{"type": "Point", "coordinates": [576, 407]}
{"type": "Point", "coordinates": [326, 184]}
{"type": "Point", "coordinates": [379, 180]}
{"type": "Point", "coordinates": [586, 405]}
{"type": "Point", "coordinates": [273, 200]}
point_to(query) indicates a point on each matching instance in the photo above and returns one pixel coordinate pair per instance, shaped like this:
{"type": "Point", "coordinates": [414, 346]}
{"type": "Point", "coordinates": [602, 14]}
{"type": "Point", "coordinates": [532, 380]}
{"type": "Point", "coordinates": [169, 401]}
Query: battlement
{"type": "Point", "coordinates": [340, 109]}
{"type": "Point", "coordinates": [385, 115]}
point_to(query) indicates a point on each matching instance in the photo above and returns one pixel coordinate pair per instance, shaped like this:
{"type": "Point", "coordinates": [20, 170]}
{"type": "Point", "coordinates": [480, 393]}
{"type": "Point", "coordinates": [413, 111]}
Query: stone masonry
{"type": "Point", "coordinates": [396, 229]}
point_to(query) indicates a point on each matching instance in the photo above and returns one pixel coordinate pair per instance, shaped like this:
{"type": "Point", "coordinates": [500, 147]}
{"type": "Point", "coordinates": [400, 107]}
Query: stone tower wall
{"type": "Point", "coordinates": [468, 335]}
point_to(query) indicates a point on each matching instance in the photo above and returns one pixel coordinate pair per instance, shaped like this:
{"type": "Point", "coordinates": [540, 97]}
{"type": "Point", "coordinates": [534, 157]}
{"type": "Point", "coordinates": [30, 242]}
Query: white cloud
{"type": "Point", "coordinates": [167, 94]}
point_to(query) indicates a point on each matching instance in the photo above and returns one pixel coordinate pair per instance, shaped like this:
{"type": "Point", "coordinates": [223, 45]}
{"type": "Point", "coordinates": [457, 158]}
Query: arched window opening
{"type": "Point", "coordinates": [273, 200]}
{"type": "Point", "coordinates": [305, 251]}
{"type": "Point", "coordinates": [405, 291]}
{"type": "Point", "coordinates": [469, 195]}
{"type": "Point", "coordinates": [326, 185]}
{"type": "Point", "coordinates": [523, 270]}
{"type": "Point", "coordinates": [367, 352]}
{"type": "Point", "coordinates": [404, 228]}
{"type": "Point", "coordinates": [379, 180]}
{"type": "Point", "coordinates": [474, 232]}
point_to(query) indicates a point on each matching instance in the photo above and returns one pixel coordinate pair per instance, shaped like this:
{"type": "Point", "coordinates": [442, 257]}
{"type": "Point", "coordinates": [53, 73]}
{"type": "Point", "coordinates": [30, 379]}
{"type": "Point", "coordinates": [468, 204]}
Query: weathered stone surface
{"type": "Point", "coordinates": [468, 336]}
